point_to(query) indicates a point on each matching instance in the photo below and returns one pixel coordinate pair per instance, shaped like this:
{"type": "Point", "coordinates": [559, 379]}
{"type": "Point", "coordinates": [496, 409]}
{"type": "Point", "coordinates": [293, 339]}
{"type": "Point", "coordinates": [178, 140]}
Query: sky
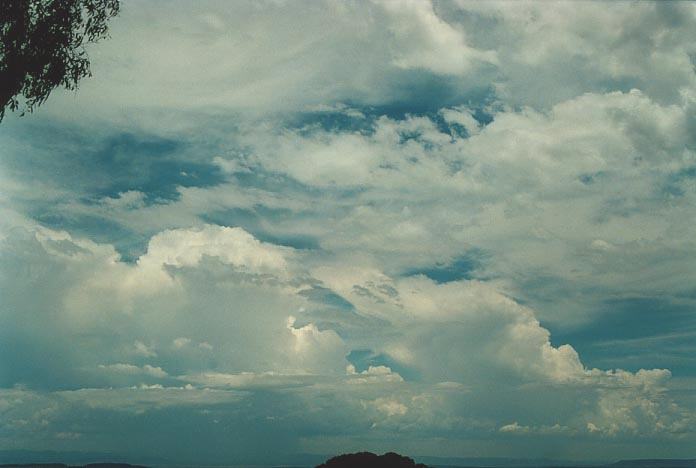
{"type": "Point", "coordinates": [270, 228]}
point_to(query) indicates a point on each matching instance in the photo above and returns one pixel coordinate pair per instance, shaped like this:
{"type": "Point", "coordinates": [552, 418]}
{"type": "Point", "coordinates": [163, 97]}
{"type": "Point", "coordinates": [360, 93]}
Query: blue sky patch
{"type": "Point", "coordinates": [463, 267]}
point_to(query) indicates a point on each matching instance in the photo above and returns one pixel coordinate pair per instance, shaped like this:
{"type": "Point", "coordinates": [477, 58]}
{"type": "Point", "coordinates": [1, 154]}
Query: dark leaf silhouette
{"type": "Point", "coordinates": [42, 46]}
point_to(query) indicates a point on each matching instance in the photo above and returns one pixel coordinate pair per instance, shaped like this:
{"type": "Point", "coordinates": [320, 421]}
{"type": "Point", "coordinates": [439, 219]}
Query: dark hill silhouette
{"type": "Point", "coordinates": [655, 463]}
{"type": "Point", "coordinates": [371, 460]}
{"type": "Point", "coordinates": [62, 465]}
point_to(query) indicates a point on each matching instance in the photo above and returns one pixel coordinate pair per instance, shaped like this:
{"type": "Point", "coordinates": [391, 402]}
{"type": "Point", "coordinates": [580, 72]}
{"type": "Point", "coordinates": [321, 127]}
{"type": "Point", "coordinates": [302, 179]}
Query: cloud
{"type": "Point", "coordinates": [233, 246]}
{"type": "Point", "coordinates": [131, 199]}
{"type": "Point", "coordinates": [144, 350]}
{"type": "Point", "coordinates": [467, 329]}
{"type": "Point", "coordinates": [514, 427]}
{"type": "Point", "coordinates": [130, 369]}
{"type": "Point", "coordinates": [250, 380]}
{"type": "Point", "coordinates": [545, 56]}
{"type": "Point", "coordinates": [181, 342]}
{"type": "Point", "coordinates": [423, 40]}
{"type": "Point", "coordinates": [388, 407]}
{"type": "Point", "coordinates": [266, 262]}
{"type": "Point", "coordinates": [402, 52]}
{"type": "Point", "coordinates": [372, 375]}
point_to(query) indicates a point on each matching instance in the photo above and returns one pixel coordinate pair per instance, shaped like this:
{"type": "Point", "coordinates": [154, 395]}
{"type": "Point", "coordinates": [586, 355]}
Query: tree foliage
{"type": "Point", "coordinates": [42, 46]}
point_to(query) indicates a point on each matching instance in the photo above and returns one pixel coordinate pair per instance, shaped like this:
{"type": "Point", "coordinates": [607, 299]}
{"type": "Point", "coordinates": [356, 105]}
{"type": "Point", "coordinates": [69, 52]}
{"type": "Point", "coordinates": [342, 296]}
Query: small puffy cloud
{"type": "Point", "coordinates": [205, 346]}
{"type": "Point", "coordinates": [387, 406]}
{"type": "Point", "coordinates": [313, 348]}
{"type": "Point", "coordinates": [181, 342]}
{"type": "Point", "coordinates": [231, 166]}
{"type": "Point", "coordinates": [372, 375]}
{"type": "Point", "coordinates": [144, 350]}
{"type": "Point", "coordinates": [463, 117]}
{"type": "Point", "coordinates": [514, 428]}
{"type": "Point", "coordinates": [130, 369]}
{"type": "Point", "coordinates": [556, 429]}
{"type": "Point", "coordinates": [234, 246]}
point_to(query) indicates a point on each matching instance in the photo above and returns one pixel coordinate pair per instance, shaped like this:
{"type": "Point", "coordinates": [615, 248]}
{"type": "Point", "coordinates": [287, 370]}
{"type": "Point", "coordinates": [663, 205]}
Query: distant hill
{"type": "Point", "coordinates": [503, 462]}
{"type": "Point", "coordinates": [354, 460]}
{"type": "Point", "coordinates": [62, 465]}
{"type": "Point", "coordinates": [442, 462]}
{"type": "Point", "coordinates": [393, 460]}
{"type": "Point", "coordinates": [371, 460]}
{"type": "Point", "coordinates": [655, 463]}
{"type": "Point", "coordinates": [74, 459]}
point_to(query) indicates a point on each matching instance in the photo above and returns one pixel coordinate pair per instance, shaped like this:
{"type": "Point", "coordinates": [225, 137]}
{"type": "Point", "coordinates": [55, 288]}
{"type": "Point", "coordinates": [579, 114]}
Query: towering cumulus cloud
{"type": "Point", "coordinates": [454, 229]}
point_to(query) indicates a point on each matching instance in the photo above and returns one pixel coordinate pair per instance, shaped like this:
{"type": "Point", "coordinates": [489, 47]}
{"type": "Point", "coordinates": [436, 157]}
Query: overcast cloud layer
{"type": "Point", "coordinates": [271, 228]}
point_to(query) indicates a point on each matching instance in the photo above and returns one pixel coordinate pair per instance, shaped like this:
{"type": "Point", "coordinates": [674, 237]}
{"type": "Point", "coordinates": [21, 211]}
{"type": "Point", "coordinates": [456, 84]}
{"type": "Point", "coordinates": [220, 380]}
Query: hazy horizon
{"type": "Point", "coordinates": [311, 460]}
{"type": "Point", "coordinates": [271, 228]}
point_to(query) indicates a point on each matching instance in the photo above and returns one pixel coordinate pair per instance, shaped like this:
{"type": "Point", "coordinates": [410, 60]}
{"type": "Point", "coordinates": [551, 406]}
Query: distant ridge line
{"type": "Point", "coordinates": [63, 465]}
{"type": "Point", "coordinates": [657, 463]}
{"type": "Point", "coordinates": [431, 462]}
